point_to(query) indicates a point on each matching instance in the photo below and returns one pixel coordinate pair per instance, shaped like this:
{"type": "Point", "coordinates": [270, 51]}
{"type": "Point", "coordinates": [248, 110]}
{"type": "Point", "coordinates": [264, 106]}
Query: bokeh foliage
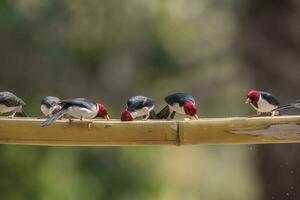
{"type": "Point", "coordinates": [108, 51]}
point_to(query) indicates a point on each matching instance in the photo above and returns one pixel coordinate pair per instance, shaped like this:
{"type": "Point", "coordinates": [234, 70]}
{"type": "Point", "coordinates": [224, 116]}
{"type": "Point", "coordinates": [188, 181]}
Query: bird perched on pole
{"type": "Point", "coordinates": [179, 103]}
{"type": "Point", "coordinates": [262, 102]}
{"type": "Point", "coordinates": [50, 105]}
{"type": "Point", "coordinates": [80, 108]}
{"type": "Point", "coordinates": [139, 106]}
{"type": "Point", "coordinates": [10, 103]}
{"type": "Point", "coordinates": [296, 104]}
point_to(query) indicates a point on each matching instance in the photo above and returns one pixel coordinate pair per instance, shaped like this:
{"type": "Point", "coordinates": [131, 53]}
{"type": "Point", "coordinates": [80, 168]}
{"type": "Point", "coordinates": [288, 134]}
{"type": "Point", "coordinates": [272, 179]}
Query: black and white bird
{"type": "Point", "coordinates": [296, 104]}
{"type": "Point", "coordinates": [179, 103]}
{"type": "Point", "coordinates": [50, 105]}
{"type": "Point", "coordinates": [10, 103]}
{"type": "Point", "coordinates": [262, 102]}
{"type": "Point", "coordinates": [139, 106]}
{"type": "Point", "coordinates": [80, 108]}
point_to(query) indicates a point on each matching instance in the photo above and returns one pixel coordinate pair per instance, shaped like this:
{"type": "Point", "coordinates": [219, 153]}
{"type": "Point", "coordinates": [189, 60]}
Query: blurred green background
{"type": "Point", "coordinates": [110, 50]}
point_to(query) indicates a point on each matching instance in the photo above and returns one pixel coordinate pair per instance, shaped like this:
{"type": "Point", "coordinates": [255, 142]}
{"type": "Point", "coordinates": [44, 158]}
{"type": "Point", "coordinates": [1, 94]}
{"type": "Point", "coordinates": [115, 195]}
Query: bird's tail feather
{"type": "Point", "coordinates": [164, 113]}
{"type": "Point", "coordinates": [152, 115]}
{"type": "Point", "coordinates": [284, 107]}
{"type": "Point", "coordinates": [54, 117]}
{"type": "Point", "coordinates": [23, 113]}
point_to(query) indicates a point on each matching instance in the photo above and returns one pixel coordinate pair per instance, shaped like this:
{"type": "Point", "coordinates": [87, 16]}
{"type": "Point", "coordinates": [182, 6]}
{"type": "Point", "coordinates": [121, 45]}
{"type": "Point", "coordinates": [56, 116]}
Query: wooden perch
{"type": "Point", "coordinates": [28, 131]}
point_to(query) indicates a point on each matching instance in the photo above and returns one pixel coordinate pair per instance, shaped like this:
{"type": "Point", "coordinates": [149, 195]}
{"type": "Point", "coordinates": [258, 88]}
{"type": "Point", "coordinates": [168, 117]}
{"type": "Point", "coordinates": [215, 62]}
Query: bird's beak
{"type": "Point", "coordinates": [106, 117]}
{"type": "Point", "coordinates": [195, 117]}
{"type": "Point", "coordinates": [247, 101]}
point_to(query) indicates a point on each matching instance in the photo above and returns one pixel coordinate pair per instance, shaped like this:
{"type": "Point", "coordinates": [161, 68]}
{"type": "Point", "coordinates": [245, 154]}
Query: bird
{"type": "Point", "coordinates": [50, 105]}
{"type": "Point", "coordinates": [80, 108]}
{"type": "Point", "coordinates": [296, 104]}
{"type": "Point", "coordinates": [139, 106]}
{"type": "Point", "coordinates": [262, 102]}
{"type": "Point", "coordinates": [10, 103]}
{"type": "Point", "coordinates": [179, 103]}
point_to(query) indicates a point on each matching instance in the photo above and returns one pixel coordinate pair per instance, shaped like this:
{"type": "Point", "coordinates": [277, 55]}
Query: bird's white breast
{"type": "Point", "coordinates": [263, 106]}
{"type": "Point", "coordinates": [45, 110]}
{"type": "Point", "coordinates": [142, 112]}
{"type": "Point", "coordinates": [6, 109]}
{"type": "Point", "coordinates": [78, 112]}
{"type": "Point", "coordinates": [176, 107]}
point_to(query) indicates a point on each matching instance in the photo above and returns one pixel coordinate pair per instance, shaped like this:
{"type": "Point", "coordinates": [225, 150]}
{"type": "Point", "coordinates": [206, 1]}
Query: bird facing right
{"type": "Point", "coordinates": [10, 103]}
{"type": "Point", "coordinates": [181, 103]}
{"type": "Point", "coordinates": [139, 106]}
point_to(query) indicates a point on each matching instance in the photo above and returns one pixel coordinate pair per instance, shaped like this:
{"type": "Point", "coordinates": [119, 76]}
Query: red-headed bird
{"type": "Point", "coordinates": [79, 108]}
{"type": "Point", "coordinates": [262, 102]}
{"type": "Point", "coordinates": [139, 106]}
{"type": "Point", "coordinates": [179, 103]}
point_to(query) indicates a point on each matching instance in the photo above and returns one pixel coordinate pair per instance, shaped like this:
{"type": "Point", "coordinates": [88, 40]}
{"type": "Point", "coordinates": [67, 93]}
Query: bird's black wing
{"type": "Point", "coordinates": [270, 98]}
{"type": "Point", "coordinates": [82, 102]}
{"type": "Point", "coordinates": [180, 98]}
{"type": "Point", "coordinates": [164, 113]}
{"type": "Point", "coordinates": [10, 100]}
{"type": "Point", "coordinates": [139, 102]}
{"type": "Point", "coordinates": [50, 101]}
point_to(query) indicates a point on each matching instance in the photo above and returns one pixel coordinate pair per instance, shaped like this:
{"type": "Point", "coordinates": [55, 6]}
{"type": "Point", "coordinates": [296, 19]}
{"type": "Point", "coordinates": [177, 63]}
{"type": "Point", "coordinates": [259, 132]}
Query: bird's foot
{"type": "Point", "coordinates": [90, 123]}
{"type": "Point", "coordinates": [275, 113]}
{"type": "Point", "coordinates": [70, 121]}
{"type": "Point", "coordinates": [146, 117]}
{"type": "Point", "coordinates": [11, 116]}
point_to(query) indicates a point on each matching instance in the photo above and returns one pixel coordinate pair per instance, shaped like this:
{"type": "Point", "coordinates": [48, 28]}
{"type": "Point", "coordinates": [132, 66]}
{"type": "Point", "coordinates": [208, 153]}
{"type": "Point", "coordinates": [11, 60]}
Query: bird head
{"type": "Point", "coordinates": [126, 116]}
{"type": "Point", "coordinates": [253, 96]}
{"type": "Point", "coordinates": [190, 109]}
{"type": "Point", "coordinates": [102, 112]}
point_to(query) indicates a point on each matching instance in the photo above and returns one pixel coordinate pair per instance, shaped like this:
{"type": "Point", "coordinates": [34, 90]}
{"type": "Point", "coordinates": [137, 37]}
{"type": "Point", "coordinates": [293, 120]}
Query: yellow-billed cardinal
{"type": "Point", "coordinates": [50, 105]}
{"type": "Point", "coordinates": [139, 106]}
{"type": "Point", "coordinates": [79, 108]}
{"type": "Point", "coordinates": [10, 103]}
{"type": "Point", "coordinates": [296, 104]}
{"type": "Point", "coordinates": [262, 102]}
{"type": "Point", "coordinates": [179, 103]}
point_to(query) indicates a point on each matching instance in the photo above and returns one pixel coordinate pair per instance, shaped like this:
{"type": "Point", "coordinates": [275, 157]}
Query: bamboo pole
{"type": "Point", "coordinates": [28, 131]}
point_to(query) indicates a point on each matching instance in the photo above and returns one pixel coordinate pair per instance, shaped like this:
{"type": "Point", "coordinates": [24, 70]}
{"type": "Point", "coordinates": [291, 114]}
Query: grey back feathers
{"type": "Point", "coordinates": [139, 102]}
{"type": "Point", "coordinates": [180, 98]}
{"type": "Point", "coordinates": [81, 102]}
{"type": "Point", "coordinates": [10, 100]}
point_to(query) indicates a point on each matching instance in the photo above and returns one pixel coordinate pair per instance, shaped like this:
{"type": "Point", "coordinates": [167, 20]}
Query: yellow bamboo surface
{"type": "Point", "coordinates": [28, 131]}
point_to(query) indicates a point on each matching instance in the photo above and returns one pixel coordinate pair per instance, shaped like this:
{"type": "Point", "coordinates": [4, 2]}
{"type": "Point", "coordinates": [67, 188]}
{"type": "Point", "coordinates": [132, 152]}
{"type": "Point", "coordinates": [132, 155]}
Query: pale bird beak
{"type": "Point", "coordinates": [247, 101]}
{"type": "Point", "coordinates": [195, 117]}
{"type": "Point", "coordinates": [106, 117]}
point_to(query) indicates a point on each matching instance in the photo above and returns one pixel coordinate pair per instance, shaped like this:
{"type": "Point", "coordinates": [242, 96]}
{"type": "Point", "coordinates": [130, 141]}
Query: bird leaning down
{"type": "Point", "coordinates": [50, 105]}
{"type": "Point", "coordinates": [10, 103]}
{"type": "Point", "coordinates": [296, 104]}
{"type": "Point", "coordinates": [179, 103]}
{"type": "Point", "coordinates": [139, 106]}
{"type": "Point", "coordinates": [262, 102]}
{"type": "Point", "coordinates": [80, 108]}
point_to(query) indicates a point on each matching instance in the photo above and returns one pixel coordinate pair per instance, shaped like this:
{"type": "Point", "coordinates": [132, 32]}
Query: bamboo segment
{"type": "Point", "coordinates": [28, 131]}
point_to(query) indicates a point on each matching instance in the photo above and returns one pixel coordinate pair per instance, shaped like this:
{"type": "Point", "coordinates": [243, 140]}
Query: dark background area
{"type": "Point", "coordinates": [110, 50]}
